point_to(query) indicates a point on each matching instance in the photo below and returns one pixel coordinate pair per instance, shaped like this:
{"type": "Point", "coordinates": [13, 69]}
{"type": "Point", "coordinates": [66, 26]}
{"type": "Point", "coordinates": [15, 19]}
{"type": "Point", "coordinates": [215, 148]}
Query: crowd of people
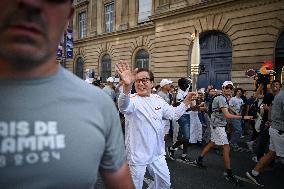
{"type": "Point", "coordinates": [57, 131]}
{"type": "Point", "coordinates": [215, 118]}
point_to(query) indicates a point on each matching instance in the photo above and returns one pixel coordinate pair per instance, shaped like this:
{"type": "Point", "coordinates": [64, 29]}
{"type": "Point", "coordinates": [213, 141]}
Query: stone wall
{"type": "Point", "coordinates": [252, 26]}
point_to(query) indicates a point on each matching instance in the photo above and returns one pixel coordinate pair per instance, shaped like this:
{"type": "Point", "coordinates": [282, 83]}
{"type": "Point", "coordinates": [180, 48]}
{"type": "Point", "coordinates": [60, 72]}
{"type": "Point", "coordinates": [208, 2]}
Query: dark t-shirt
{"type": "Point", "coordinates": [267, 99]}
{"type": "Point", "coordinates": [253, 107]}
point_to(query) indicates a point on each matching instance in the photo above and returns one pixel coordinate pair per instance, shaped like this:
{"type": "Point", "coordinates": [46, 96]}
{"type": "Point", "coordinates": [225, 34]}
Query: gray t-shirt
{"type": "Point", "coordinates": [56, 132]}
{"type": "Point", "coordinates": [277, 113]}
{"type": "Point", "coordinates": [217, 117]}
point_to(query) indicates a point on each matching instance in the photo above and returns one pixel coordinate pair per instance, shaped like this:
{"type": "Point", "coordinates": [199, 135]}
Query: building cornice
{"type": "Point", "coordinates": [188, 9]}
{"type": "Point", "coordinates": [81, 3]}
{"type": "Point", "coordinates": [202, 6]}
{"type": "Point", "coordinates": [139, 28]}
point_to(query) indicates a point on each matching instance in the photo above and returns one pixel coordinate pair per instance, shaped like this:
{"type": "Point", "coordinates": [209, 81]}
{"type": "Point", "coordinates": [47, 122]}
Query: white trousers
{"type": "Point", "coordinates": [158, 170]}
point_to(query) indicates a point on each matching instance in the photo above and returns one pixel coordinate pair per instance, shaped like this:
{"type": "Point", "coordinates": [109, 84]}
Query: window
{"type": "Point", "coordinates": [82, 25]}
{"type": "Point", "coordinates": [109, 17]}
{"type": "Point", "coordinates": [145, 9]}
{"type": "Point", "coordinates": [106, 67]}
{"type": "Point", "coordinates": [142, 59]}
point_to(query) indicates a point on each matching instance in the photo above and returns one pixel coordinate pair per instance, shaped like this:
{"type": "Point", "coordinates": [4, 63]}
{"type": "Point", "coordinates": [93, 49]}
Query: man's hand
{"type": "Point", "coordinates": [268, 124]}
{"type": "Point", "coordinates": [190, 97]}
{"type": "Point", "coordinates": [126, 75]}
{"type": "Point", "coordinates": [248, 117]}
{"type": "Point", "coordinates": [266, 107]}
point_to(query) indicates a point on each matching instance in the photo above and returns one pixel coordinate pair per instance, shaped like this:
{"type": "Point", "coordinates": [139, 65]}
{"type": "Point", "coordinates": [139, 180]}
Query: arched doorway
{"type": "Point", "coordinates": [279, 58]}
{"type": "Point", "coordinates": [216, 57]}
{"type": "Point", "coordinates": [79, 67]}
{"type": "Point", "coordinates": [142, 59]}
{"type": "Point", "coordinates": [106, 67]}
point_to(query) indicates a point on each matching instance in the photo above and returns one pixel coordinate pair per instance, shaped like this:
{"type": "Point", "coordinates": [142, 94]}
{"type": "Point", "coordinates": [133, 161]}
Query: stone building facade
{"type": "Point", "coordinates": [234, 35]}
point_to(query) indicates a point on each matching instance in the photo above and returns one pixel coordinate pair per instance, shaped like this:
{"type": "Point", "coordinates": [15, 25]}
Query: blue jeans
{"type": "Point", "coordinates": [237, 131]}
{"type": "Point", "coordinates": [201, 117]}
{"type": "Point", "coordinates": [184, 126]}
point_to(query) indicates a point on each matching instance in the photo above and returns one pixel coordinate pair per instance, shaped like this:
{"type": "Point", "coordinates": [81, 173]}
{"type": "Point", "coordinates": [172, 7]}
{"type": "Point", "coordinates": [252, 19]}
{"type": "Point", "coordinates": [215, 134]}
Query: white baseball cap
{"type": "Point", "coordinates": [165, 82]}
{"type": "Point", "coordinates": [202, 90]}
{"type": "Point", "coordinates": [110, 79]}
{"type": "Point", "coordinates": [227, 83]}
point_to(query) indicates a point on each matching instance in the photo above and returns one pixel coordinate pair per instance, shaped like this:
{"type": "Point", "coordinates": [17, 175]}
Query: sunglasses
{"type": "Point", "coordinates": [229, 87]}
{"type": "Point", "coordinates": [143, 80]}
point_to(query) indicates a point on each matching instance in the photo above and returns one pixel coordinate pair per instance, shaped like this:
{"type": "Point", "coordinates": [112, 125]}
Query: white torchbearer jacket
{"type": "Point", "coordinates": [144, 128]}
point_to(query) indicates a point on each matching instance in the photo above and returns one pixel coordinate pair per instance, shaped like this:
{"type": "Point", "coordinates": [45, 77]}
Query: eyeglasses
{"type": "Point", "coordinates": [143, 80]}
{"type": "Point", "coordinates": [229, 87]}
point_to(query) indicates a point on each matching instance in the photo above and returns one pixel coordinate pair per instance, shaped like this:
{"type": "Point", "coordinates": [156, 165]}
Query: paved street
{"type": "Point", "coordinates": [187, 177]}
{"type": "Point", "coordinates": [184, 176]}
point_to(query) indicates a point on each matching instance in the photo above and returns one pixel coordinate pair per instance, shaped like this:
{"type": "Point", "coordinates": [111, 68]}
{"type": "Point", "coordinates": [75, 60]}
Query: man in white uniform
{"type": "Point", "coordinates": [144, 137]}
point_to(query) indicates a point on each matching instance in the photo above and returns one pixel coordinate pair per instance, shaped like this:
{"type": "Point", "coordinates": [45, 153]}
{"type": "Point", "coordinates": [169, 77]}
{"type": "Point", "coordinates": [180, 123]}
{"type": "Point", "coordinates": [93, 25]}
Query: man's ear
{"type": "Point", "coordinates": [152, 84]}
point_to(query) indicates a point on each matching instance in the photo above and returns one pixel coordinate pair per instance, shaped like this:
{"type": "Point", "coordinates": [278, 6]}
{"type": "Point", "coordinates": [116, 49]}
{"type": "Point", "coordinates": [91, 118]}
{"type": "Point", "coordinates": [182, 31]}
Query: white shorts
{"type": "Point", "coordinates": [158, 170]}
{"type": "Point", "coordinates": [219, 136]}
{"type": "Point", "coordinates": [276, 142]}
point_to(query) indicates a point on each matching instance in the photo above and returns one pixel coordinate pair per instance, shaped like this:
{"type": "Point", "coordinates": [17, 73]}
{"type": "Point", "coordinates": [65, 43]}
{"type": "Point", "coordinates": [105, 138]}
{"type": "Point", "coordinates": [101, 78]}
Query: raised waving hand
{"type": "Point", "coordinates": [126, 75]}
